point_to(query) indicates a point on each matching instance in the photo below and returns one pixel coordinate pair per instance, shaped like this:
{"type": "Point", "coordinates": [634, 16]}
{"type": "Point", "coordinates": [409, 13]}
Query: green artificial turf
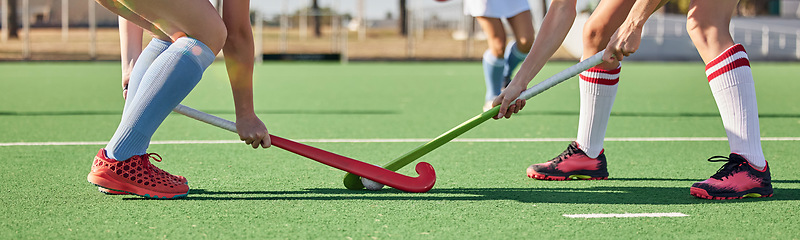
{"type": "Point", "coordinates": [481, 190]}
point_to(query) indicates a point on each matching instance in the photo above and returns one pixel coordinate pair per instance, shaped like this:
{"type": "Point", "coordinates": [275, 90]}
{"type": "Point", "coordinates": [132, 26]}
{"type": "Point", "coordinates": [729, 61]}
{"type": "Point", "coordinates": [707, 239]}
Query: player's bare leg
{"type": "Point", "coordinates": [584, 158]}
{"type": "Point", "coordinates": [198, 34]}
{"type": "Point", "coordinates": [746, 172]}
{"type": "Point", "coordinates": [493, 61]}
{"type": "Point", "coordinates": [516, 51]}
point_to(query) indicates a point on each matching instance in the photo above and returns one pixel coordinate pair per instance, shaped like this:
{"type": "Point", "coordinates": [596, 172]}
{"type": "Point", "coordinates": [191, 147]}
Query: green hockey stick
{"type": "Point", "coordinates": [353, 182]}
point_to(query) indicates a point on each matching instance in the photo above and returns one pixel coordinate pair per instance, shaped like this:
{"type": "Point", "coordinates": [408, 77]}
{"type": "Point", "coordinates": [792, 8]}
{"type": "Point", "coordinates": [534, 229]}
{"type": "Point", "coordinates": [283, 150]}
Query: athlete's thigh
{"type": "Point", "coordinates": [123, 11]}
{"type": "Point", "coordinates": [493, 27]}
{"type": "Point", "coordinates": [715, 13]}
{"type": "Point", "coordinates": [522, 25]}
{"type": "Point", "coordinates": [196, 18]}
{"type": "Point", "coordinates": [496, 34]}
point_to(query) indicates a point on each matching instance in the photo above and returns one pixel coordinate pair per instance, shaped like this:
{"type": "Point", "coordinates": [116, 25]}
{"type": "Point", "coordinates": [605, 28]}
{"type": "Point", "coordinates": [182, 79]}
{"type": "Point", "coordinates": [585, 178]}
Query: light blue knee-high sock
{"type": "Point", "coordinates": [513, 58]}
{"type": "Point", "coordinates": [143, 62]}
{"type": "Point", "coordinates": [167, 81]}
{"type": "Point", "coordinates": [492, 74]}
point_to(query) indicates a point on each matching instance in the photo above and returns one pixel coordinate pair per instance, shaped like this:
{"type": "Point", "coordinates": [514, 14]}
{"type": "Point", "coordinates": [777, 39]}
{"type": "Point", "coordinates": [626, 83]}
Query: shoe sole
{"type": "Point", "coordinates": [102, 180]}
{"type": "Point", "coordinates": [535, 175]}
{"type": "Point", "coordinates": [110, 192]}
{"type": "Point", "coordinates": [702, 193]}
{"type": "Point", "coordinates": [563, 178]}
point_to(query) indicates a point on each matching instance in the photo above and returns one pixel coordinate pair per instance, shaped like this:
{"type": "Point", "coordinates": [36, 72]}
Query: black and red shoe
{"type": "Point", "coordinates": [573, 163]}
{"type": "Point", "coordinates": [736, 179]}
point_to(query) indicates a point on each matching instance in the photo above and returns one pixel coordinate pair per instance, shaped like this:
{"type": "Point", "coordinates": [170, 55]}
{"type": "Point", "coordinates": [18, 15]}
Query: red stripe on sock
{"type": "Point", "coordinates": [727, 53]}
{"type": "Point", "coordinates": [727, 68]}
{"type": "Point", "coordinates": [600, 70]}
{"type": "Point", "coordinates": [602, 81]}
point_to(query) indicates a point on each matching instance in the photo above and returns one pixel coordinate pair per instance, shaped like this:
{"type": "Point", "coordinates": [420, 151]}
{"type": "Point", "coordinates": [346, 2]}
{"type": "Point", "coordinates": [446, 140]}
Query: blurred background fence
{"type": "Point", "coordinates": [344, 30]}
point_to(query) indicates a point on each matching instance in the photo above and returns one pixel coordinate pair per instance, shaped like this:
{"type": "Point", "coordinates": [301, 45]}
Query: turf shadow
{"type": "Point", "coordinates": [62, 113]}
{"type": "Point", "coordinates": [590, 195]}
{"type": "Point", "coordinates": [687, 180]}
{"type": "Point", "coordinates": [653, 114]}
{"type": "Point", "coordinates": [607, 195]}
{"type": "Point", "coordinates": [275, 112]}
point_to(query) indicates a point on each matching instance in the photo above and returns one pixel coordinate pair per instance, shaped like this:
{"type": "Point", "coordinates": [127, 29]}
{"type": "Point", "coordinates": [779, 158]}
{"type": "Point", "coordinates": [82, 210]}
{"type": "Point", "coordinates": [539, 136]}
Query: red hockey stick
{"type": "Point", "coordinates": [423, 183]}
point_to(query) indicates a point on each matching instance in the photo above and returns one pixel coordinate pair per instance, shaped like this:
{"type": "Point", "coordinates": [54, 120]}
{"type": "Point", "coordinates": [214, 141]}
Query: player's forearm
{"type": "Point", "coordinates": [238, 51]}
{"type": "Point", "coordinates": [239, 60]}
{"type": "Point", "coordinates": [243, 102]}
{"type": "Point", "coordinates": [640, 12]}
{"type": "Point", "coordinates": [239, 63]}
{"type": "Point", "coordinates": [555, 27]}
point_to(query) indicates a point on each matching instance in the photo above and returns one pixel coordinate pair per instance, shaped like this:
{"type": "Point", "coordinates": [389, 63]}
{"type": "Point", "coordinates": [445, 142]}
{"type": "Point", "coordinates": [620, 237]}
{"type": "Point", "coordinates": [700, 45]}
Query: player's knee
{"type": "Point", "coordinates": [219, 34]}
{"type": "Point", "coordinates": [212, 35]}
{"type": "Point", "coordinates": [693, 26]}
{"type": "Point", "coordinates": [497, 47]}
{"type": "Point", "coordinates": [593, 34]}
{"type": "Point", "coordinates": [524, 44]}
{"type": "Point", "coordinates": [696, 29]}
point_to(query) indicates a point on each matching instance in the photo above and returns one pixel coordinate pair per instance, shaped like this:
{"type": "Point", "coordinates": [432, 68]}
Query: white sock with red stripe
{"type": "Point", "coordinates": [598, 90]}
{"type": "Point", "coordinates": [731, 82]}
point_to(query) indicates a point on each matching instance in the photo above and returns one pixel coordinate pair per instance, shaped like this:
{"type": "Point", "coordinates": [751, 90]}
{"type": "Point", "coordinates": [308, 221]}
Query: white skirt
{"type": "Point", "coordinates": [495, 8]}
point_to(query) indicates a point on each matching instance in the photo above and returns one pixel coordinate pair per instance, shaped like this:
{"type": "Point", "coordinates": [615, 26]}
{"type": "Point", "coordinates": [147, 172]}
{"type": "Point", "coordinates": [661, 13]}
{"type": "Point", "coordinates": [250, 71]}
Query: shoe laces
{"type": "Point", "coordinates": [728, 168]}
{"type": "Point", "coordinates": [155, 169]}
{"type": "Point", "coordinates": [153, 156]}
{"type": "Point", "coordinates": [145, 159]}
{"type": "Point", "coordinates": [564, 155]}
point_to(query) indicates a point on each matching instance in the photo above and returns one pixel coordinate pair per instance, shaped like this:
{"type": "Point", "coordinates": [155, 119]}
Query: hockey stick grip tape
{"type": "Point", "coordinates": [205, 117]}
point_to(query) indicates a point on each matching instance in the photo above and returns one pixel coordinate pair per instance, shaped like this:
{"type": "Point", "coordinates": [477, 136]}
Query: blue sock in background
{"type": "Point", "coordinates": [513, 58]}
{"type": "Point", "coordinates": [492, 74]}
{"type": "Point", "coordinates": [167, 81]}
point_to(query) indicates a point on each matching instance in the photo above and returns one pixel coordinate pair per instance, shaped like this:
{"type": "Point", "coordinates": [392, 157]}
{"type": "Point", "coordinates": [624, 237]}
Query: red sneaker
{"type": "Point", "coordinates": [736, 179]}
{"type": "Point", "coordinates": [137, 176]}
{"type": "Point", "coordinates": [571, 164]}
{"type": "Point", "coordinates": [176, 177]}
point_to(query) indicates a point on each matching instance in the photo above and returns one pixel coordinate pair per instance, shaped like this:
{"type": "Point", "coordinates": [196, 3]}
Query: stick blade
{"type": "Point", "coordinates": [423, 183]}
{"type": "Point", "coordinates": [352, 182]}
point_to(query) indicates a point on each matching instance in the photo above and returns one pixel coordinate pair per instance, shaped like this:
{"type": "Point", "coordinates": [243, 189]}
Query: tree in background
{"type": "Point", "coordinates": [747, 8]}
{"type": "Point", "coordinates": [317, 18]}
{"type": "Point", "coordinates": [12, 21]}
{"type": "Point", "coordinates": [751, 8]}
{"type": "Point", "coordinates": [403, 22]}
{"type": "Point", "coordinates": [325, 16]}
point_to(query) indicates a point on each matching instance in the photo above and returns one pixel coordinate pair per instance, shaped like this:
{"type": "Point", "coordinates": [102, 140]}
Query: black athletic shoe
{"type": "Point", "coordinates": [571, 164]}
{"type": "Point", "coordinates": [736, 179]}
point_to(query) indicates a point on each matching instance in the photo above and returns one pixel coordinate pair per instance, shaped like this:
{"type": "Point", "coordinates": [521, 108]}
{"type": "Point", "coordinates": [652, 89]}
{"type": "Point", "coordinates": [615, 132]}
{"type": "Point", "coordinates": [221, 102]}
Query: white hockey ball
{"type": "Point", "coordinates": [371, 185]}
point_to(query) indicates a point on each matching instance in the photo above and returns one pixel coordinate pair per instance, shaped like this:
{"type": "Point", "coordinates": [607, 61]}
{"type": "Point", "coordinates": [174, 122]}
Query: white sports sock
{"type": "Point", "coordinates": [598, 90]}
{"type": "Point", "coordinates": [731, 82]}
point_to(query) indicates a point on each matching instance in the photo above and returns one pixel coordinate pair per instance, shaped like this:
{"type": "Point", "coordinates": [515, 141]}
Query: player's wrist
{"type": "Point", "coordinates": [517, 84]}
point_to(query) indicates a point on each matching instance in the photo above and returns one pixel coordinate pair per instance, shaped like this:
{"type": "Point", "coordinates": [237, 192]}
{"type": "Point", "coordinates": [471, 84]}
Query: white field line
{"type": "Point", "coordinates": [410, 140]}
{"type": "Point", "coordinates": [625, 215]}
